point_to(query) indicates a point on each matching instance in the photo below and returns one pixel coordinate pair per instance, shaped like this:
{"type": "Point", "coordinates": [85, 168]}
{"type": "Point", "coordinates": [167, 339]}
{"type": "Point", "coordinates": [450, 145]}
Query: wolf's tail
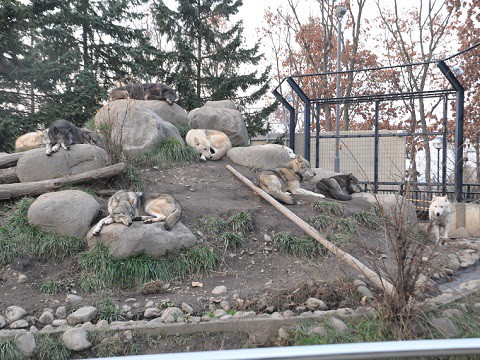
{"type": "Point", "coordinates": [172, 219]}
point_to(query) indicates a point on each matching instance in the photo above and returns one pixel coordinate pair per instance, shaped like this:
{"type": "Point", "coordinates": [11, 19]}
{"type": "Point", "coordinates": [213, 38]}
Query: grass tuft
{"type": "Point", "coordinates": [241, 222]}
{"type": "Point", "coordinates": [51, 287]}
{"type": "Point", "coordinates": [50, 347]}
{"type": "Point", "coordinates": [328, 207]}
{"type": "Point", "coordinates": [101, 271]}
{"type": "Point", "coordinates": [303, 246]}
{"type": "Point", "coordinates": [370, 219]}
{"type": "Point", "coordinates": [233, 241]}
{"type": "Point", "coordinates": [9, 351]}
{"type": "Point", "coordinates": [321, 222]}
{"type": "Point", "coordinates": [347, 226]}
{"type": "Point", "coordinates": [211, 224]}
{"type": "Point", "coordinates": [174, 151]}
{"type": "Point", "coordinates": [110, 311]}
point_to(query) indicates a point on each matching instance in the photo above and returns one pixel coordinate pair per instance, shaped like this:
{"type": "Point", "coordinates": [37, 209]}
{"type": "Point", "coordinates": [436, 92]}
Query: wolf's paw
{"type": "Point", "coordinates": [148, 221]}
{"type": "Point", "coordinates": [96, 233]}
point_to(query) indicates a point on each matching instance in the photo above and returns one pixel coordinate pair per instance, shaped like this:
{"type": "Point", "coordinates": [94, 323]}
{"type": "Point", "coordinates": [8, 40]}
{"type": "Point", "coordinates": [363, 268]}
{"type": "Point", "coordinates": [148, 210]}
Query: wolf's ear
{"type": "Point", "coordinates": [299, 158]}
{"type": "Point", "coordinates": [55, 130]}
{"type": "Point", "coordinates": [195, 140]}
{"type": "Point", "coordinates": [70, 129]}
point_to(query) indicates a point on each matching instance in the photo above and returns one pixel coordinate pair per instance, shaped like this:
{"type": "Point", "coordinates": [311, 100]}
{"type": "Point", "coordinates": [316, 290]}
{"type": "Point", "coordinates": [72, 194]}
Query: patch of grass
{"type": "Point", "coordinates": [369, 218]}
{"type": "Point", "coordinates": [233, 241]}
{"type": "Point", "coordinates": [347, 226]}
{"type": "Point", "coordinates": [211, 224]}
{"type": "Point", "coordinates": [303, 246]}
{"type": "Point", "coordinates": [116, 345]}
{"type": "Point", "coordinates": [101, 271]}
{"type": "Point", "coordinates": [21, 238]}
{"type": "Point", "coordinates": [321, 222]}
{"type": "Point", "coordinates": [174, 151]}
{"type": "Point", "coordinates": [9, 351]}
{"type": "Point", "coordinates": [110, 311]}
{"type": "Point", "coordinates": [337, 238]}
{"type": "Point", "coordinates": [183, 129]}
{"type": "Point", "coordinates": [51, 287]}
{"type": "Point", "coordinates": [50, 347]}
{"type": "Point", "coordinates": [328, 207]}
{"type": "Point", "coordinates": [241, 222]}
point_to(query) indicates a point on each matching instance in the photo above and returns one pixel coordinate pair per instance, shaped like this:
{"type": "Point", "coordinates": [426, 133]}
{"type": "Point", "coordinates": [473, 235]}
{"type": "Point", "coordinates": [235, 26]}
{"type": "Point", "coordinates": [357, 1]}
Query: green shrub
{"type": "Point", "coordinates": [241, 222]}
{"type": "Point", "coordinates": [109, 311]}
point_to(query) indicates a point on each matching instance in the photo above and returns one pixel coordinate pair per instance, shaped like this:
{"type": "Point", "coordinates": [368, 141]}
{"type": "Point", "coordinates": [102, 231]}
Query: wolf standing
{"type": "Point", "coordinates": [441, 216]}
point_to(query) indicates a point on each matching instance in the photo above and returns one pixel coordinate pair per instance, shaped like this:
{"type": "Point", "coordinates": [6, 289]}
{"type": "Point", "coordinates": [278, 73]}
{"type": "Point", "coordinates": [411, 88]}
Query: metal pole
{"type": "Point", "coordinates": [438, 165]}
{"type": "Point", "coordinates": [340, 11]}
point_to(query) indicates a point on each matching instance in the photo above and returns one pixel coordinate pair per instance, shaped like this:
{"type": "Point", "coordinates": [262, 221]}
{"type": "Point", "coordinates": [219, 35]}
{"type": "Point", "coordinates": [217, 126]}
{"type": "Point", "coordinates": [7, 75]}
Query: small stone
{"type": "Point", "coordinates": [59, 322]}
{"type": "Point", "coordinates": [19, 324]}
{"type": "Point", "coordinates": [61, 312]}
{"type": "Point", "coordinates": [357, 283]}
{"type": "Point", "coordinates": [219, 313]}
{"type": "Point", "coordinates": [25, 342]}
{"type": "Point", "coordinates": [315, 304]}
{"type": "Point", "coordinates": [187, 309]}
{"type": "Point", "coordinates": [446, 327]}
{"type": "Point", "coordinates": [14, 313]}
{"type": "Point", "coordinates": [149, 304]}
{"type": "Point", "coordinates": [172, 312]}
{"type": "Point", "coordinates": [130, 300]}
{"type": "Point", "coordinates": [339, 325]}
{"type": "Point", "coordinates": [288, 313]}
{"type": "Point", "coordinates": [22, 278]}
{"type": "Point", "coordinates": [3, 322]}
{"type": "Point", "coordinates": [151, 313]}
{"type": "Point", "coordinates": [84, 314]}
{"type": "Point", "coordinates": [219, 290]}
{"type": "Point", "coordinates": [73, 299]}
{"type": "Point", "coordinates": [364, 291]}
{"type": "Point", "coordinates": [88, 326]}
{"type": "Point", "coordinates": [76, 339]}
{"type": "Point", "coordinates": [102, 324]}
{"type": "Point", "coordinates": [47, 328]}
{"type": "Point", "coordinates": [46, 318]}
{"type": "Point", "coordinates": [283, 334]}
{"type": "Point", "coordinates": [319, 330]}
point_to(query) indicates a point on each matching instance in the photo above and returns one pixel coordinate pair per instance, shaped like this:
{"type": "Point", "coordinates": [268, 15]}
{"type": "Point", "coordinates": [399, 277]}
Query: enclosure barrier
{"type": "Point", "coordinates": [374, 350]}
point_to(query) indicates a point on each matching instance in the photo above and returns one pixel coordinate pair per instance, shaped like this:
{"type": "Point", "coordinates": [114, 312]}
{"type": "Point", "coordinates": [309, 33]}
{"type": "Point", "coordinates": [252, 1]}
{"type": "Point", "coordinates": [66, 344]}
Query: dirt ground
{"type": "Point", "coordinates": [257, 272]}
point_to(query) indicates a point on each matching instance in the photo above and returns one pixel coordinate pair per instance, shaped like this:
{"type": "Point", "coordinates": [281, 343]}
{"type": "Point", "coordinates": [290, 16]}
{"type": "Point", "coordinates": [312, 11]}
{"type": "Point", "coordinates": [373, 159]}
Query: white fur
{"type": "Point", "coordinates": [210, 144]}
{"type": "Point", "coordinates": [441, 216]}
{"type": "Point", "coordinates": [290, 152]}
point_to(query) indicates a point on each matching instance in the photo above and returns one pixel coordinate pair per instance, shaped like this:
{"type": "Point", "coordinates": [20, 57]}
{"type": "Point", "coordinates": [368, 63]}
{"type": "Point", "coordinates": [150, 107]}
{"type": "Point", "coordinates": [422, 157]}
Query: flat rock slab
{"type": "Point", "coordinates": [127, 241]}
{"type": "Point", "coordinates": [264, 157]}
{"type": "Point", "coordinates": [34, 165]}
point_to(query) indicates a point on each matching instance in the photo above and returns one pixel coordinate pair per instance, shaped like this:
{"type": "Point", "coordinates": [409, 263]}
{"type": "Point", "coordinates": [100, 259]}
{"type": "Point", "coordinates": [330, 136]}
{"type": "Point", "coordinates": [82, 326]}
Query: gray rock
{"type": "Point", "coordinates": [226, 120]}
{"type": "Point", "coordinates": [3, 322]}
{"type": "Point", "coordinates": [34, 165]}
{"type": "Point", "coordinates": [76, 339]}
{"type": "Point", "coordinates": [219, 290]}
{"type": "Point", "coordinates": [19, 324]}
{"type": "Point", "coordinates": [452, 262]}
{"type": "Point", "coordinates": [338, 325]}
{"type": "Point", "coordinates": [172, 313]}
{"type": "Point", "coordinates": [61, 312]}
{"type": "Point", "coordinates": [71, 299]}
{"type": "Point", "coordinates": [68, 212]}
{"type": "Point", "coordinates": [14, 313]}
{"type": "Point", "coordinates": [222, 104]}
{"type": "Point", "coordinates": [174, 114]}
{"type": "Point", "coordinates": [25, 342]}
{"type": "Point", "coordinates": [102, 324]}
{"type": "Point", "coordinates": [452, 313]}
{"type": "Point", "coordinates": [127, 241]}
{"type": "Point", "coordinates": [59, 322]}
{"type": "Point", "coordinates": [187, 309]}
{"type": "Point", "coordinates": [315, 304]}
{"type": "Point", "coordinates": [47, 328]}
{"type": "Point", "coordinates": [264, 157]}
{"type": "Point", "coordinates": [460, 233]}
{"type": "Point", "coordinates": [151, 313]}
{"type": "Point", "coordinates": [446, 327]}
{"type": "Point", "coordinates": [46, 318]}
{"type": "Point", "coordinates": [135, 127]}
{"type": "Point", "coordinates": [364, 291]}
{"type": "Point", "coordinates": [82, 315]}
{"type": "Point", "coordinates": [319, 330]}
{"type": "Point", "coordinates": [358, 283]}
{"type": "Point", "coordinates": [219, 313]}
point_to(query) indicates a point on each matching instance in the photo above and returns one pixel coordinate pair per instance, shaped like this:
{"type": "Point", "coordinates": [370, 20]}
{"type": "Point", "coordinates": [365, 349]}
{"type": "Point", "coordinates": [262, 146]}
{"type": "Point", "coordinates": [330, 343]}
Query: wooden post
{"type": "Point", "coordinates": [376, 279]}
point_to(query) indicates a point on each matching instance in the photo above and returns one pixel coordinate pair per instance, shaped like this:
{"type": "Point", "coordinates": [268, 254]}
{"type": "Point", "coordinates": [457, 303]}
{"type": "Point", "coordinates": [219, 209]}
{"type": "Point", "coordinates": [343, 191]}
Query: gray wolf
{"type": "Point", "coordinates": [127, 206]}
{"type": "Point", "coordinates": [441, 216]}
{"type": "Point", "coordinates": [282, 182]}
{"type": "Point", "coordinates": [210, 144]}
{"type": "Point", "coordinates": [150, 91]}
{"type": "Point", "coordinates": [31, 140]}
{"type": "Point", "coordinates": [63, 133]}
{"type": "Point", "coordinates": [339, 187]}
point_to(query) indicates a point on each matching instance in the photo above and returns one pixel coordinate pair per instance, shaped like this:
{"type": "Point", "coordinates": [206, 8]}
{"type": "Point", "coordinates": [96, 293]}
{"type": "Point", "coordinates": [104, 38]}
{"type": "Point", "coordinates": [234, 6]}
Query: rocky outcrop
{"type": "Point", "coordinates": [264, 157]}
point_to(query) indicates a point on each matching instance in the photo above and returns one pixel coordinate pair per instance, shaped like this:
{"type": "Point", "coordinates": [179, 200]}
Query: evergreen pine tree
{"type": "Point", "coordinates": [206, 57]}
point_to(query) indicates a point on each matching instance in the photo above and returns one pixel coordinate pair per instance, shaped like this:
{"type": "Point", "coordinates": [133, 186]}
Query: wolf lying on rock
{"type": "Point", "coordinates": [63, 133]}
{"type": "Point", "coordinates": [339, 187]}
{"type": "Point", "coordinates": [151, 91]}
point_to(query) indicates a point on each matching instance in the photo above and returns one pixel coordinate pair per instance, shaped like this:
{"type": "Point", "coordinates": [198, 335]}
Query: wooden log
{"type": "Point", "coordinates": [375, 278]}
{"type": "Point", "coordinates": [8, 176]}
{"type": "Point", "coordinates": [35, 188]}
{"type": "Point", "coordinates": [9, 160]}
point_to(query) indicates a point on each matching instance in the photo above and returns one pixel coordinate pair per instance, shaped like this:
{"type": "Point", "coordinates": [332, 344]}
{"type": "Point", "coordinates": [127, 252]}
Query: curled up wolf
{"type": "Point", "coordinates": [127, 206]}
{"type": "Point", "coordinates": [150, 91]}
{"type": "Point", "coordinates": [339, 187]}
{"type": "Point", "coordinates": [62, 133]}
{"type": "Point", "coordinates": [282, 182]}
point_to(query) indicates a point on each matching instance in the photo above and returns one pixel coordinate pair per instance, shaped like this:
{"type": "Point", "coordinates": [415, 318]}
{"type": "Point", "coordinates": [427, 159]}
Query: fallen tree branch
{"type": "Point", "coordinates": [35, 188]}
{"type": "Point", "coordinates": [376, 279]}
{"type": "Point", "coordinates": [9, 160]}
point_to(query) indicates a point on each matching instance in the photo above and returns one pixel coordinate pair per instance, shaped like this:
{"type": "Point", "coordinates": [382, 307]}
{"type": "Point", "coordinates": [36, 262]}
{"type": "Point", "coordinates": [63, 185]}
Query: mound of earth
{"type": "Point", "coordinates": [257, 272]}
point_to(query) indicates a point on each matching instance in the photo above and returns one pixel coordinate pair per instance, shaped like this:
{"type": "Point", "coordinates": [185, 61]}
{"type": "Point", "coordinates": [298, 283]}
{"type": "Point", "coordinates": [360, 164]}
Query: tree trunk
{"type": "Point", "coordinates": [9, 160]}
{"type": "Point", "coordinates": [9, 191]}
{"type": "Point", "coordinates": [8, 176]}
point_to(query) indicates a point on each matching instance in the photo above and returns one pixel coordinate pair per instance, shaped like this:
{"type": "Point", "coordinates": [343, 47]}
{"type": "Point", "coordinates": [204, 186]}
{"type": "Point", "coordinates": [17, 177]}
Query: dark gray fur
{"type": "Point", "coordinates": [339, 187]}
{"type": "Point", "coordinates": [63, 133]}
{"type": "Point", "coordinates": [149, 91]}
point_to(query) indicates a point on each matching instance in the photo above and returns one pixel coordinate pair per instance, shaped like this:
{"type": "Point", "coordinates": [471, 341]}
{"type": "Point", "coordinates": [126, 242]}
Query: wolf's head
{"type": "Point", "coordinates": [169, 94]}
{"type": "Point", "coordinates": [124, 213]}
{"type": "Point", "coordinates": [301, 167]}
{"type": "Point", "coordinates": [202, 146]}
{"type": "Point", "coordinates": [64, 136]}
{"type": "Point", "coordinates": [440, 206]}
{"type": "Point", "coordinates": [352, 184]}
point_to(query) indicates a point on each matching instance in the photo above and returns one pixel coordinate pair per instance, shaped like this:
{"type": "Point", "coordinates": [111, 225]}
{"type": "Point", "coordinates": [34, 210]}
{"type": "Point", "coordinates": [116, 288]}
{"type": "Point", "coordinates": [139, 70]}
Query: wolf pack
{"type": "Point", "coordinates": [125, 207]}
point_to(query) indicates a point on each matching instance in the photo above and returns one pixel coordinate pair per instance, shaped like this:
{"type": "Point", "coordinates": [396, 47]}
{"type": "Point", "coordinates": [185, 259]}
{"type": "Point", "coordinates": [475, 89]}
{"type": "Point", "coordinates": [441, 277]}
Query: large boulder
{"type": "Point", "coordinates": [264, 157]}
{"type": "Point", "coordinates": [137, 128]}
{"type": "Point", "coordinates": [173, 114]}
{"type": "Point", "coordinates": [68, 212]}
{"type": "Point", "coordinates": [34, 165]}
{"type": "Point", "coordinates": [222, 116]}
{"type": "Point", "coordinates": [127, 241]}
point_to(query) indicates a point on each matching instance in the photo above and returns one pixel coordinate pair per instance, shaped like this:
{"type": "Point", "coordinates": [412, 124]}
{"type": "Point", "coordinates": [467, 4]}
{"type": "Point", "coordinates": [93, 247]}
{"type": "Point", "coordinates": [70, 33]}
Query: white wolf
{"type": "Point", "coordinates": [210, 144]}
{"type": "Point", "coordinates": [441, 216]}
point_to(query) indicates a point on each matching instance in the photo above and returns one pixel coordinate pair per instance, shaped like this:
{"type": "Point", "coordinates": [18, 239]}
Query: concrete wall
{"type": "Point", "coordinates": [357, 155]}
{"type": "Point", "coordinates": [467, 215]}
